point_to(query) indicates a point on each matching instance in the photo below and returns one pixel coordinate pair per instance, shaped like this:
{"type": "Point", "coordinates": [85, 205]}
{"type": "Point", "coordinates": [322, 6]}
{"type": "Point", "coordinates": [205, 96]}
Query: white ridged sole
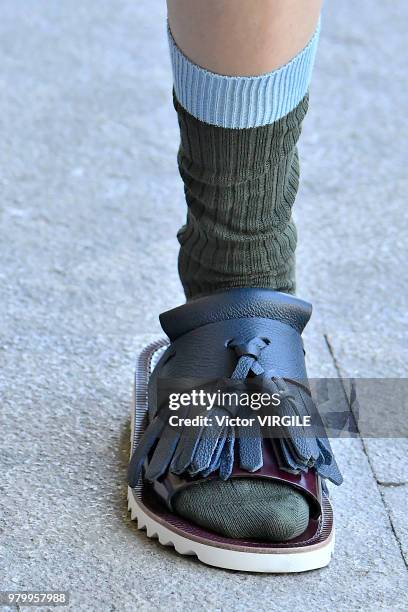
{"type": "Point", "coordinates": [273, 560]}
{"type": "Point", "coordinates": [276, 562]}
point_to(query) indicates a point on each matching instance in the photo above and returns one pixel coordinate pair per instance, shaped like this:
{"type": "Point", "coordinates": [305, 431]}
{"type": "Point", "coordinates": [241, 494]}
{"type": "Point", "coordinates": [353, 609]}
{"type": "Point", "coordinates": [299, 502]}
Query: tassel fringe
{"type": "Point", "coordinates": [206, 450]}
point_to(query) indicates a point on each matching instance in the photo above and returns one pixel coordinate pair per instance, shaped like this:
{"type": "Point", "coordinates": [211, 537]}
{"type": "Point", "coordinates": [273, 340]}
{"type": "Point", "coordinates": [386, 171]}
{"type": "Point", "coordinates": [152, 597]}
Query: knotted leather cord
{"type": "Point", "coordinates": [211, 453]}
{"type": "Point", "coordinates": [248, 354]}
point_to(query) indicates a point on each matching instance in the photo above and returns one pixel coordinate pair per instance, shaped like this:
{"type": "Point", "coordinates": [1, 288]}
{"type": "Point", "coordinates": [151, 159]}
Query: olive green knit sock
{"type": "Point", "coordinates": [240, 186]}
{"type": "Point", "coordinates": [246, 508]}
{"type": "Point", "coordinates": [240, 168]}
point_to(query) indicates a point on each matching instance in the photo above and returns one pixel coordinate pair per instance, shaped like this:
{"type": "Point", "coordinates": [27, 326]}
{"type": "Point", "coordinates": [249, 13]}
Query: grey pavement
{"type": "Point", "coordinates": [90, 205]}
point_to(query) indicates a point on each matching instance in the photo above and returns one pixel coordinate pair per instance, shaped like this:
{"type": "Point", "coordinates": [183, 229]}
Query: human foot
{"type": "Point", "coordinates": [236, 502]}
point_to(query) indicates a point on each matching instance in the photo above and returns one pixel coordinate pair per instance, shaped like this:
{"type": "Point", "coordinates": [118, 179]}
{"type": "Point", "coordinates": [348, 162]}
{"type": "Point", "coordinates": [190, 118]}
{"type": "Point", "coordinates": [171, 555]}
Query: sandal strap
{"type": "Point", "coordinates": [309, 483]}
{"type": "Point", "coordinates": [243, 303]}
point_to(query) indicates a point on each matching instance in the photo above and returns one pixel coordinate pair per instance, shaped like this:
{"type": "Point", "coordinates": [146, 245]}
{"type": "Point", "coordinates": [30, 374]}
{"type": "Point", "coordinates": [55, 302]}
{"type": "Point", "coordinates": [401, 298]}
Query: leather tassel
{"type": "Point", "coordinates": [201, 450]}
{"type": "Point", "coordinates": [308, 447]}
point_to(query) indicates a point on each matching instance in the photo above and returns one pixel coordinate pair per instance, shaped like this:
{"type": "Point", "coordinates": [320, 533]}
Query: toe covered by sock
{"type": "Point", "coordinates": [249, 508]}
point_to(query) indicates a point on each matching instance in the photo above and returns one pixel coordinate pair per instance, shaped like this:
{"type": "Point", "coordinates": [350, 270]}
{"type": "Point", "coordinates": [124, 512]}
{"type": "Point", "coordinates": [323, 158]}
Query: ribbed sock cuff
{"type": "Point", "coordinates": [242, 102]}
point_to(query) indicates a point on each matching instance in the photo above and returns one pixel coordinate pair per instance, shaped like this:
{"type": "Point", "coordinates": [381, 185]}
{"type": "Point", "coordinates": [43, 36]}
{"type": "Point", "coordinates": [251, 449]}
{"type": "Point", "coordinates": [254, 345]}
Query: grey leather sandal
{"type": "Point", "coordinates": [234, 338]}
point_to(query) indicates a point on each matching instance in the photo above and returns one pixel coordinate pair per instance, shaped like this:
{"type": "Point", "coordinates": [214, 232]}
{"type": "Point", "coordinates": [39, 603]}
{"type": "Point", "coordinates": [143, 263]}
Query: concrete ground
{"type": "Point", "coordinates": [90, 204]}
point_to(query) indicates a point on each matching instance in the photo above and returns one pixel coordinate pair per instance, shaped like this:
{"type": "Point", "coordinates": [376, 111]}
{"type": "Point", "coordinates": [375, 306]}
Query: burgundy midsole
{"type": "Point", "coordinates": [318, 533]}
{"type": "Point", "coordinates": [322, 530]}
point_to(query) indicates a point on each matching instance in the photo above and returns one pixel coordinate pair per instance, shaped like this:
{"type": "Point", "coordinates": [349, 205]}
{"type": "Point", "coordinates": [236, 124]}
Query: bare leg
{"type": "Point", "coordinates": [242, 37]}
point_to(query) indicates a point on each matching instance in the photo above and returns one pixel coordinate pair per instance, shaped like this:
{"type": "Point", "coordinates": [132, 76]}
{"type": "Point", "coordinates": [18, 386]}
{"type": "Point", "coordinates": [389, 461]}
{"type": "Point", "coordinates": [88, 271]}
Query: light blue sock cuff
{"type": "Point", "coordinates": [242, 102]}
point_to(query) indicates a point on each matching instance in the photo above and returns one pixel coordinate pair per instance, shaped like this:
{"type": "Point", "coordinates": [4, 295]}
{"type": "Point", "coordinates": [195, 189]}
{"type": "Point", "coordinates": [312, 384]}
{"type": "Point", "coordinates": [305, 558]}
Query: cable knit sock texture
{"type": "Point", "coordinates": [240, 186]}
